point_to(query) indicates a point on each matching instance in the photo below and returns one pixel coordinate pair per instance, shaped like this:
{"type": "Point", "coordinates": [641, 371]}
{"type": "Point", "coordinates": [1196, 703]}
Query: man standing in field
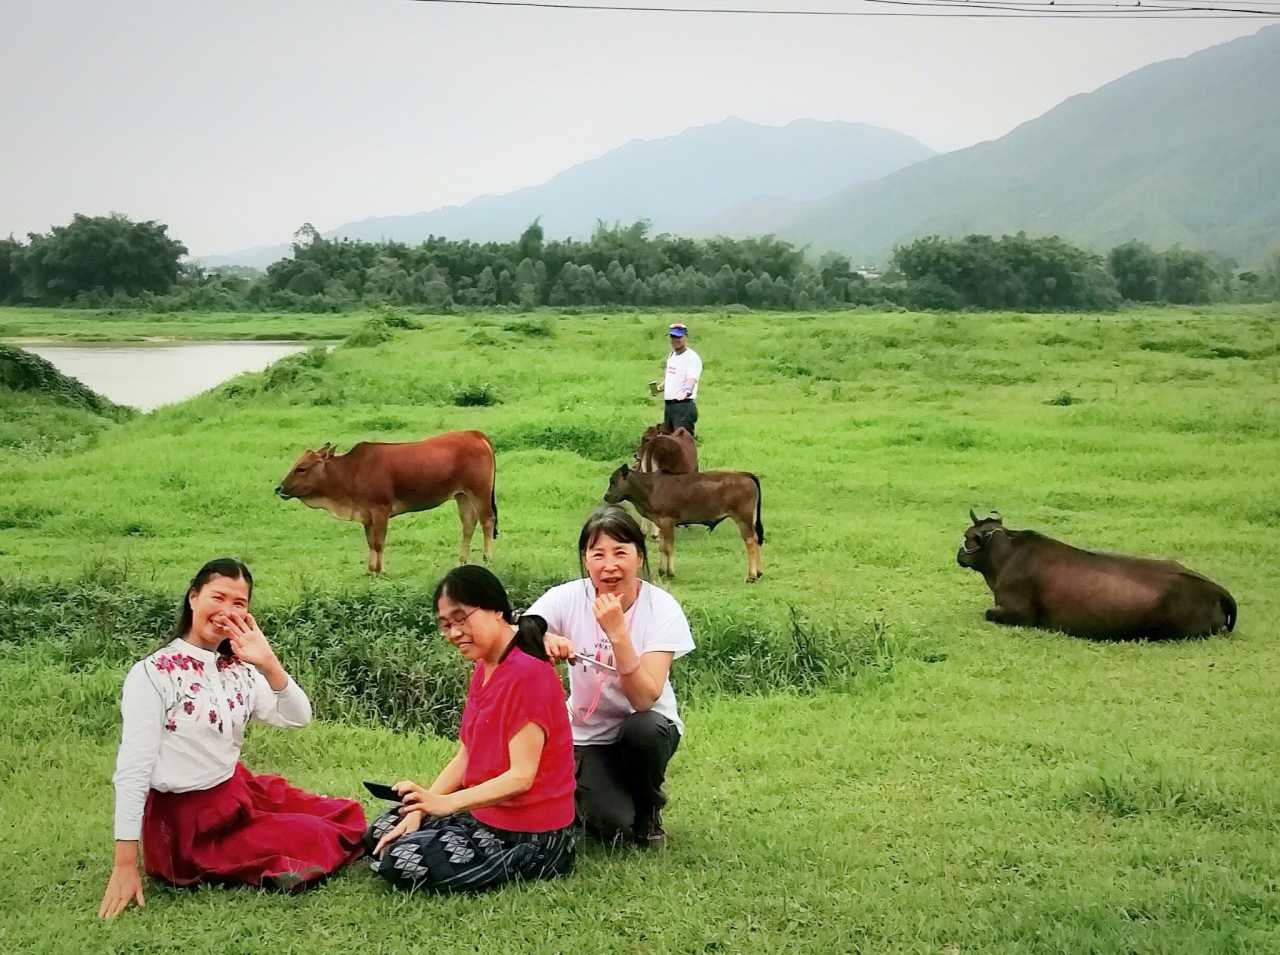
{"type": "Point", "coordinates": [680, 391]}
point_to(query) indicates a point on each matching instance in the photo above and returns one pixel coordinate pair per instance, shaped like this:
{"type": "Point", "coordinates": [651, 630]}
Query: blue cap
{"type": "Point", "coordinates": [678, 330]}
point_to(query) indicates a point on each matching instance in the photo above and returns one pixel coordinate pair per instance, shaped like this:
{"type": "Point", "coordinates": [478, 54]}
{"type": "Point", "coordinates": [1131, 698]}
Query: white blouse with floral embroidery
{"type": "Point", "coordinates": [184, 710]}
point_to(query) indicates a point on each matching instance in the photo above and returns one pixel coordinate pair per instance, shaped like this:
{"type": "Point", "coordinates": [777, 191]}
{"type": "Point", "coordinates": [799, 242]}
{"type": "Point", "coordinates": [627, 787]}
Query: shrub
{"type": "Point", "coordinates": [373, 332]}
{"type": "Point", "coordinates": [471, 395]}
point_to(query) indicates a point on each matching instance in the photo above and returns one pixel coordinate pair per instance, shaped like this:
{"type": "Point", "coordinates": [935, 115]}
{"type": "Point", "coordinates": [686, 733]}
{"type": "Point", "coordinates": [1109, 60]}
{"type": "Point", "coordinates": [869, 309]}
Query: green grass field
{"type": "Point", "coordinates": [951, 786]}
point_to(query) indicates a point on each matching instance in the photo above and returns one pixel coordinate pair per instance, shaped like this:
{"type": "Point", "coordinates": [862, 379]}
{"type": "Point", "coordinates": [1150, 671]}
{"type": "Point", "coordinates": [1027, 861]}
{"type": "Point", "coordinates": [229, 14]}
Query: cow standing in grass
{"type": "Point", "coordinates": [376, 481]}
{"type": "Point", "coordinates": [706, 497]}
{"type": "Point", "coordinates": [1041, 582]}
{"type": "Point", "coordinates": [666, 449]}
{"type": "Point", "coordinates": [669, 451]}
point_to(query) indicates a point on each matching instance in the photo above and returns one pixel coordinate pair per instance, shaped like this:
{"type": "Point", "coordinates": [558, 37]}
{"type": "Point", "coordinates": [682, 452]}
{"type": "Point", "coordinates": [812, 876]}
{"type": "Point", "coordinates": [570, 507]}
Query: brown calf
{"type": "Point", "coordinates": [672, 452]}
{"type": "Point", "coordinates": [375, 481]}
{"type": "Point", "coordinates": [707, 497]}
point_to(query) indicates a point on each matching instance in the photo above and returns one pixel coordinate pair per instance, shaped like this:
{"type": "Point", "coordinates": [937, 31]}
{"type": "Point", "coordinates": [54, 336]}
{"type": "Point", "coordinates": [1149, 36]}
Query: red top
{"type": "Point", "coordinates": [522, 690]}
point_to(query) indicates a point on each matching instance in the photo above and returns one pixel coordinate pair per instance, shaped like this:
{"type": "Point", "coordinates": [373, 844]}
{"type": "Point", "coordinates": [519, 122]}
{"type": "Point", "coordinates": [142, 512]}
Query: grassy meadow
{"type": "Point", "coordinates": [869, 766]}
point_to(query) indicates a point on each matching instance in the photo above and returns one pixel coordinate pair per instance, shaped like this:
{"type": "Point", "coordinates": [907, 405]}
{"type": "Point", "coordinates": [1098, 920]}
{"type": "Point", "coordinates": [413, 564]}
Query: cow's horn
{"type": "Point", "coordinates": [995, 516]}
{"type": "Point", "coordinates": [972, 516]}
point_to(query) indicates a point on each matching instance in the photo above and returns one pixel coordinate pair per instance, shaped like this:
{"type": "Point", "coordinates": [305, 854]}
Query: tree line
{"type": "Point", "coordinates": [101, 261]}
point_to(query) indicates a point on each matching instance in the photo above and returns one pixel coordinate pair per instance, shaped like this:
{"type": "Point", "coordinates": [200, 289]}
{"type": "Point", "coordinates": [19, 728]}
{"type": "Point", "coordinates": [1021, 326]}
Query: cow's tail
{"type": "Point", "coordinates": [493, 487]}
{"type": "Point", "coordinates": [1228, 609]}
{"type": "Point", "coordinates": [759, 504]}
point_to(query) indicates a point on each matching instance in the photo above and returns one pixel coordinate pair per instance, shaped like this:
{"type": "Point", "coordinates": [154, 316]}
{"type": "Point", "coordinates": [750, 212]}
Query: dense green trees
{"type": "Point", "coordinates": [1013, 271]}
{"type": "Point", "coordinates": [113, 261]}
{"type": "Point", "coordinates": [105, 253]}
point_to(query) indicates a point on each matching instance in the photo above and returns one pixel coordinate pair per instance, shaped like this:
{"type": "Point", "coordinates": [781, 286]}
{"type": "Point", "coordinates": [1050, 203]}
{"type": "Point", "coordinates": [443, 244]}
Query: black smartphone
{"type": "Point", "coordinates": [382, 791]}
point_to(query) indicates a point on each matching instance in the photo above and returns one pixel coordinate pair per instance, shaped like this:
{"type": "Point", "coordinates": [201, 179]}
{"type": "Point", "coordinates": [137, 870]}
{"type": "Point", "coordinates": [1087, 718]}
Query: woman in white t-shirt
{"type": "Point", "coordinates": [621, 634]}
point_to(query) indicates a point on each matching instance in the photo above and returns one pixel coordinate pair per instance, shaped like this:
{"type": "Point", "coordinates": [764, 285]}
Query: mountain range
{"type": "Point", "coordinates": [1185, 151]}
{"type": "Point", "coordinates": [681, 183]}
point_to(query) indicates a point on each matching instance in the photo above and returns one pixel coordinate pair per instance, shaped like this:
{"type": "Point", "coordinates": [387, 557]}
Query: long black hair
{"type": "Point", "coordinates": [616, 522]}
{"type": "Point", "coordinates": [476, 586]}
{"type": "Point", "coordinates": [218, 567]}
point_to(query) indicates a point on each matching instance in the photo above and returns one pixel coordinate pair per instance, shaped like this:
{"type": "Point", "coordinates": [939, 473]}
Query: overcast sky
{"type": "Point", "coordinates": [236, 120]}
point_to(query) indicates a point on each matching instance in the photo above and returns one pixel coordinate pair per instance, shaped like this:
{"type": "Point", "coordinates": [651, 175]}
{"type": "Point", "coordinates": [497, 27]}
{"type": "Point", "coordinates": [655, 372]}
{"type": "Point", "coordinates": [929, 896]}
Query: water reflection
{"type": "Point", "coordinates": [148, 376]}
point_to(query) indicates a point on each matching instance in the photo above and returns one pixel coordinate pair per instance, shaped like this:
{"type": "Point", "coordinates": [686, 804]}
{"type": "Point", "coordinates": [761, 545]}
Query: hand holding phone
{"type": "Point", "coordinates": [382, 791]}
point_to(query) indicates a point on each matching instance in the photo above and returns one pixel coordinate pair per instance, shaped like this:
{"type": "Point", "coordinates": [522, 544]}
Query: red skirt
{"type": "Point", "coordinates": [249, 829]}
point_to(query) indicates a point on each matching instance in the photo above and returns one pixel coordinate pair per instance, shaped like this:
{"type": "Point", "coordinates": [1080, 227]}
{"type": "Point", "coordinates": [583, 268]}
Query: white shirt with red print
{"type": "Point", "coordinates": [184, 711]}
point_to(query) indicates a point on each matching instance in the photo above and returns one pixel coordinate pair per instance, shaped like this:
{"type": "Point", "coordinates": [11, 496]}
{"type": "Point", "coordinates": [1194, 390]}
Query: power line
{"type": "Point", "coordinates": [1009, 12]}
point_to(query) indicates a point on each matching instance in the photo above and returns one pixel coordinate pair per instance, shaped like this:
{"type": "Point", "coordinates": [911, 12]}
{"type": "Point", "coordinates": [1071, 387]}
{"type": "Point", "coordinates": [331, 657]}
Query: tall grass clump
{"type": "Point", "coordinates": [296, 369]}
{"type": "Point", "coordinates": [373, 332]}
{"type": "Point", "coordinates": [473, 395]}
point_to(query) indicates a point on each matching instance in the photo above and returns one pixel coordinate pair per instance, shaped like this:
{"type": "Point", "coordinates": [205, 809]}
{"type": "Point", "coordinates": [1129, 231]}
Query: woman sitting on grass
{"type": "Point", "coordinates": [502, 808]}
{"type": "Point", "coordinates": [179, 783]}
{"type": "Point", "coordinates": [623, 634]}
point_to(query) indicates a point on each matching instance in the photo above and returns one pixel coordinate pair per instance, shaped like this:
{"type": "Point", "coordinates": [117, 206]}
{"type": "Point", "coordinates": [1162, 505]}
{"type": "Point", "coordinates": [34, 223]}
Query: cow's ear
{"type": "Point", "coordinates": [625, 470]}
{"type": "Point", "coordinates": [972, 516]}
{"type": "Point", "coordinates": [327, 450]}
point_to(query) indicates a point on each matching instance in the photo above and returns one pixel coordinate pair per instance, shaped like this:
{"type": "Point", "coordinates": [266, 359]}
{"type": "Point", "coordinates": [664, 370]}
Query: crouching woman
{"type": "Point", "coordinates": [179, 782]}
{"type": "Point", "coordinates": [502, 807]}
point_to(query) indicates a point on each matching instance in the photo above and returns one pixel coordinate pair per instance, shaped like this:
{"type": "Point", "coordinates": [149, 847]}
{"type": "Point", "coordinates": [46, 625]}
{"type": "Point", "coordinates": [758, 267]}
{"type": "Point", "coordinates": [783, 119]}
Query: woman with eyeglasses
{"type": "Point", "coordinates": [621, 634]}
{"type": "Point", "coordinates": [180, 785]}
{"type": "Point", "coordinates": [502, 807]}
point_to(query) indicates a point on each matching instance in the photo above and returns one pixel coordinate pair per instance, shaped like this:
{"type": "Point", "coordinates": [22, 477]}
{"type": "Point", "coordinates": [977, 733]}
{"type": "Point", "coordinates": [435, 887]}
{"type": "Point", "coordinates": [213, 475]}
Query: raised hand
{"type": "Point", "coordinates": [248, 642]}
{"type": "Point", "coordinates": [609, 614]}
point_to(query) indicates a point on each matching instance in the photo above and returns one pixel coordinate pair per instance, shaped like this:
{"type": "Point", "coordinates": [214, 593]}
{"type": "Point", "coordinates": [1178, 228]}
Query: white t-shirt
{"type": "Point", "coordinates": [683, 371]}
{"type": "Point", "coordinates": [655, 622]}
{"type": "Point", "coordinates": [184, 711]}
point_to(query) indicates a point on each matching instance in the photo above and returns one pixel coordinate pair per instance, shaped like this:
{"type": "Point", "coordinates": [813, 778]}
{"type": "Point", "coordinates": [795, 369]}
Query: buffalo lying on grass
{"type": "Point", "coordinates": [1041, 582]}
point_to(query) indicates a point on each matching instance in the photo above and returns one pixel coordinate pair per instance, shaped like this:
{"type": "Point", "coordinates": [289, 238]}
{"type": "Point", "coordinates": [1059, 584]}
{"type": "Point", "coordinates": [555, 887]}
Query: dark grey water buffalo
{"type": "Point", "coordinates": [1040, 582]}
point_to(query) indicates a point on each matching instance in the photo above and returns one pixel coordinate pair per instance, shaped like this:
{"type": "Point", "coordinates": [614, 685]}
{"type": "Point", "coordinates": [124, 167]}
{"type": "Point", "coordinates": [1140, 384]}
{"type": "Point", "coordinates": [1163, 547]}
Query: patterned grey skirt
{"type": "Point", "coordinates": [459, 853]}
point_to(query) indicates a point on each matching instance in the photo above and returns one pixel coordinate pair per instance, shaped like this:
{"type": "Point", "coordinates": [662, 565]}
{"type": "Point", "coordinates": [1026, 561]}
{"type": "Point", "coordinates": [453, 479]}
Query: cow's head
{"type": "Point", "coordinates": [619, 486]}
{"type": "Point", "coordinates": [974, 550]}
{"type": "Point", "coordinates": [307, 476]}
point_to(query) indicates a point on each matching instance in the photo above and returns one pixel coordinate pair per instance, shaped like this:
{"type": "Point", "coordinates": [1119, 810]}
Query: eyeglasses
{"type": "Point", "coordinates": [454, 623]}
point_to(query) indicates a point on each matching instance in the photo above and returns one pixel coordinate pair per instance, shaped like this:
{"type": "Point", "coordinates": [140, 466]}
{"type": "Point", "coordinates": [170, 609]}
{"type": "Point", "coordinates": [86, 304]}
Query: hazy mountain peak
{"type": "Point", "coordinates": [678, 182]}
{"type": "Point", "coordinates": [1182, 151]}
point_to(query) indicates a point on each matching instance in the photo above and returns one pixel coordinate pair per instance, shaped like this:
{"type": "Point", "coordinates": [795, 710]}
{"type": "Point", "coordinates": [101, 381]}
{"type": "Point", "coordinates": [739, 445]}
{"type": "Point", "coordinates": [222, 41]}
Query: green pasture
{"type": "Point", "coordinates": [869, 765]}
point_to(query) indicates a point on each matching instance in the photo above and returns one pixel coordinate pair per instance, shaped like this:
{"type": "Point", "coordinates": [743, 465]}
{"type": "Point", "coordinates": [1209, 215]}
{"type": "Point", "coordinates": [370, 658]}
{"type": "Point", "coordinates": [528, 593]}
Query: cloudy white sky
{"type": "Point", "coordinates": [236, 120]}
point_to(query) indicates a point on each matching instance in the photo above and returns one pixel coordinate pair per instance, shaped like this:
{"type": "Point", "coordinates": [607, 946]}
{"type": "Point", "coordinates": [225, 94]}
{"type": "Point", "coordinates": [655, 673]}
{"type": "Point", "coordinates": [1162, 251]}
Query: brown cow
{"type": "Point", "coordinates": [707, 497]}
{"type": "Point", "coordinates": [668, 451]}
{"type": "Point", "coordinates": [1040, 582]}
{"type": "Point", "coordinates": [375, 481]}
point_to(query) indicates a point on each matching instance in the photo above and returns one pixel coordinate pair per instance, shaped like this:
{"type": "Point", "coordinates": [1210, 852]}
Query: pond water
{"type": "Point", "coordinates": [146, 376]}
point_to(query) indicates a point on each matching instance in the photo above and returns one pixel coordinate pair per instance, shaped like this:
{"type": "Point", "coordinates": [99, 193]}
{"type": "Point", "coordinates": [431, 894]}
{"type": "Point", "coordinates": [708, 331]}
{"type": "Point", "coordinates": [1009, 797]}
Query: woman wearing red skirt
{"type": "Point", "coordinates": [179, 783]}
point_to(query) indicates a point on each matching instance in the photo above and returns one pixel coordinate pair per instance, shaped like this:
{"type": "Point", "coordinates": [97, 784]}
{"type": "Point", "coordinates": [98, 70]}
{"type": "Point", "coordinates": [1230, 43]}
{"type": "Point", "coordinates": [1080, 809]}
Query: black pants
{"type": "Point", "coordinates": [680, 414]}
{"type": "Point", "coordinates": [620, 784]}
{"type": "Point", "coordinates": [459, 853]}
